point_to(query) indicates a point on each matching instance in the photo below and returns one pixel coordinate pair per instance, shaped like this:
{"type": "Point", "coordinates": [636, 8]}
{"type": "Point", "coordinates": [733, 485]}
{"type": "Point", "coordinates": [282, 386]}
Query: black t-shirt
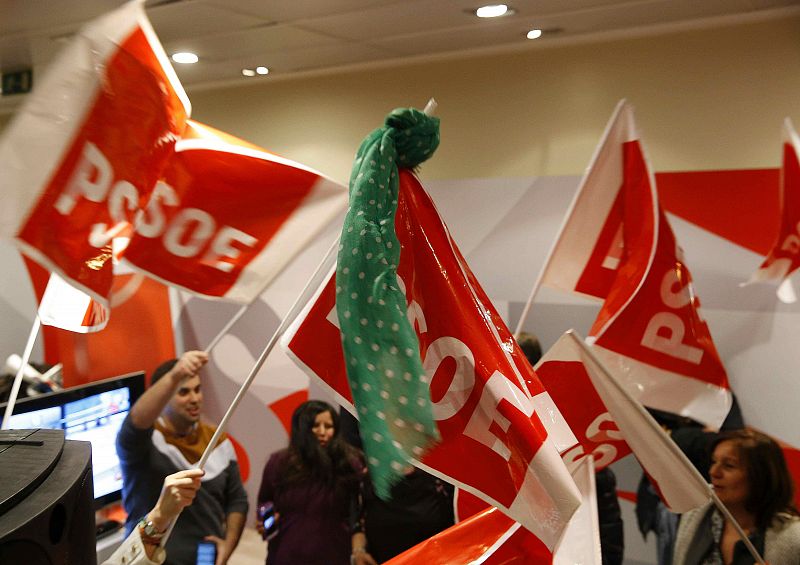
{"type": "Point", "coordinates": [421, 506]}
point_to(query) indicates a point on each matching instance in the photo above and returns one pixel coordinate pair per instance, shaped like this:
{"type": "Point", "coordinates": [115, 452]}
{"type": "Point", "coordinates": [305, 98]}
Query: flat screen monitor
{"type": "Point", "coordinates": [93, 413]}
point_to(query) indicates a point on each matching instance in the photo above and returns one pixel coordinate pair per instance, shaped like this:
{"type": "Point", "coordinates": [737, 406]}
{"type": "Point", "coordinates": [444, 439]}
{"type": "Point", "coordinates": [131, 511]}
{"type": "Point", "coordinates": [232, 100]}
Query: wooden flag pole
{"type": "Point", "coordinates": [305, 295]}
{"type": "Point", "coordinates": [26, 355]}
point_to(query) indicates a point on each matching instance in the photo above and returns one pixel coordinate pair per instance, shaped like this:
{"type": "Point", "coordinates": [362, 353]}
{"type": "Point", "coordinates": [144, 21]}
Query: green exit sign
{"type": "Point", "coordinates": [19, 82]}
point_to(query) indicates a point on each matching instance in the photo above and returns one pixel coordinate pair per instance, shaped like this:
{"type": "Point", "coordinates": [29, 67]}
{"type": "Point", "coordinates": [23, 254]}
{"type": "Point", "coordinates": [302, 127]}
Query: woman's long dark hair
{"type": "Point", "coordinates": [771, 489]}
{"type": "Point", "coordinates": [331, 465]}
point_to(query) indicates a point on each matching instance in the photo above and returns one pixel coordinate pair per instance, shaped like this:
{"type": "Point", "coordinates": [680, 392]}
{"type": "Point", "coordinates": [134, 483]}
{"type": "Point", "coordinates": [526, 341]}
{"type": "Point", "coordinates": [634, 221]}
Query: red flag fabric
{"type": "Point", "coordinates": [619, 246]}
{"type": "Point", "coordinates": [227, 216]}
{"type": "Point", "coordinates": [649, 328]}
{"type": "Point", "coordinates": [571, 389]}
{"type": "Point", "coordinates": [488, 537]}
{"type": "Point", "coordinates": [485, 395]}
{"type": "Point", "coordinates": [492, 538]}
{"type": "Point", "coordinates": [784, 258]}
{"type": "Point", "coordinates": [86, 149]}
{"type": "Point", "coordinates": [681, 486]}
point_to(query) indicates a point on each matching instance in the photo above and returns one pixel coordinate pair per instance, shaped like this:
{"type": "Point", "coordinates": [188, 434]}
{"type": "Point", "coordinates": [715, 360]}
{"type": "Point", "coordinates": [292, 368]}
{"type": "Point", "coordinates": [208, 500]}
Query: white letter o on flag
{"type": "Point", "coordinates": [463, 380]}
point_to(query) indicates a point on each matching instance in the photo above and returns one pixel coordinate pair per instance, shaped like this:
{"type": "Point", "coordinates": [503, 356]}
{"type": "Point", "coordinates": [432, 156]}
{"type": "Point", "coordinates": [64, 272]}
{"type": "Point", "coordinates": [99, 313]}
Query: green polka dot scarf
{"type": "Point", "coordinates": [389, 386]}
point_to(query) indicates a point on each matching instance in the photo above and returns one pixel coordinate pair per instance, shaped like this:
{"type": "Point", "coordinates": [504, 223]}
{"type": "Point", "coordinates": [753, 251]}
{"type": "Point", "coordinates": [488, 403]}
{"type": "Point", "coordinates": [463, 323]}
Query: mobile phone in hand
{"type": "Point", "coordinates": [206, 553]}
{"type": "Point", "coordinates": [268, 519]}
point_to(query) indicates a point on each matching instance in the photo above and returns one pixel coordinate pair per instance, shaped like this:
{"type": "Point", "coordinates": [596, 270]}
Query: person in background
{"type": "Point", "coordinates": [750, 476]}
{"type": "Point", "coordinates": [420, 506]}
{"type": "Point", "coordinates": [695, 441]}
{"type": "Point", "coordinates": [142, 546]}
{"type": "Point", "coordinates": [163, 434]}
{"type": "Point", "coordinates": [531, 348]}
{"type": "Point", "coordinates": [313, 486]}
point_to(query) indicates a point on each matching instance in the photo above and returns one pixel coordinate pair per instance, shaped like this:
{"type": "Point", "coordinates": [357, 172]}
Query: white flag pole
{"type": "Point", "coordinates": [26, 355]}
{"type": "Point", "coordinates": [671, 445]}
{"type": "Point", "coordinates": [305, 295]}
{"type": "Point", "coordinates": [430, 107]}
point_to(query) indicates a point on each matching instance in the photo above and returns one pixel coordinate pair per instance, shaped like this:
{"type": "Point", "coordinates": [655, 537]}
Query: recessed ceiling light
{"type": "Point", "coordinates": [185, 58]}
{"type": "Point", "coordinates": [534, 34]}
{"type": "Point", "coordinates": [262, 70]}
{"type": "Point", "coordinates": [248, 72]}
{"type": "Point", "coordinates": [493, 11]}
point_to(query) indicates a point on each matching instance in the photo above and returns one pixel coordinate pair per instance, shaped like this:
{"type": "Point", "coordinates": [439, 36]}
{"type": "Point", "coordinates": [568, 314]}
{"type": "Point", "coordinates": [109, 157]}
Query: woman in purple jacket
{"type": "Point", "coordinates": [313, 487]}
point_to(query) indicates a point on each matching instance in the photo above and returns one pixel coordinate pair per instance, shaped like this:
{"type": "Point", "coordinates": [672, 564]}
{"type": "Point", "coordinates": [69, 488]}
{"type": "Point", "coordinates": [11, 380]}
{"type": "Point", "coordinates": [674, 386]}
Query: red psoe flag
{"type": "Point", "coordinates": [572, 391]}
{"type": "Point", "coordinates": [228, 216]}
{"type": "Point", "coordinates": [681, 486]}
{"type": "Point", "coordinates": [618, 245]}
{"type": "Point", "coordinates": [86, 149]}
{"type": "Point", "coordinates": [649, 329]}
{"type": "Point", "coordinates": [488, 402]}
{"type": "Point", "coordinates": [784, 258]}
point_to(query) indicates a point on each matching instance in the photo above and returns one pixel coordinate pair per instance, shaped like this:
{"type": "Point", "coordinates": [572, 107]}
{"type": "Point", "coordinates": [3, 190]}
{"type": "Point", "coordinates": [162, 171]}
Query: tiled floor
{"type": "Point", "coordinates": [252, 550]}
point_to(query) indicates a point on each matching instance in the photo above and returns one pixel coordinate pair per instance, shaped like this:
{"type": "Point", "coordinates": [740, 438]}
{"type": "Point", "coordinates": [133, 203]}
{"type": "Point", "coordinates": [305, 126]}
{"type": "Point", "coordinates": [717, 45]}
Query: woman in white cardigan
{"type": "Point", "coordinates": [750, 476]}
{"type": "Point", "coordinates": [142, 546]}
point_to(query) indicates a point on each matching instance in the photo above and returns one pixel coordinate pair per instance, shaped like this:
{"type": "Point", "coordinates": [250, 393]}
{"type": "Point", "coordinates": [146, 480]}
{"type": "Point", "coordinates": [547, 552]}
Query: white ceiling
{"type": "Point", "coordinates": [300, 36]}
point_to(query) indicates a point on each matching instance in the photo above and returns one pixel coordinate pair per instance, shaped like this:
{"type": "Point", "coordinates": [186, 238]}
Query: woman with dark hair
{"type": "Point", "coordinates": [750, 476]}
{"type": "Point", "coordinates": [313, 487]}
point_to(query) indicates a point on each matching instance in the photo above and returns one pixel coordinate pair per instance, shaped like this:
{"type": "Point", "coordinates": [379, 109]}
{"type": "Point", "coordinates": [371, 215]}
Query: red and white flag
{"type": "Point", "coordinates": [681, 486]}
{"type": "Point", "coordinates": [83, 154]}
{"type": "Point", "coordinates": [574, 394]}
{"type": "Point", "coordinates": [64, 306]}
{"type": "Point", "coordinates": [228, 216]}
{"type": "Point", "coordinates": [619, 246]}
{"type": "Point", "coordinates": [492, 538]}
{"type": "Point", "coordinates": [588, 250]}
{"type": "Point", "coordinates": [784, 258]}
{"type": "Point", "coordinates": [488, 403]}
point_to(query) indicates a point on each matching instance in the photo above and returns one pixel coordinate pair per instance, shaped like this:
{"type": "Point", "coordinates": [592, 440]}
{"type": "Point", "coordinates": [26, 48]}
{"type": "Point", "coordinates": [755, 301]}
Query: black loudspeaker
{"type": "Point", "coordinates": [46, 499]}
